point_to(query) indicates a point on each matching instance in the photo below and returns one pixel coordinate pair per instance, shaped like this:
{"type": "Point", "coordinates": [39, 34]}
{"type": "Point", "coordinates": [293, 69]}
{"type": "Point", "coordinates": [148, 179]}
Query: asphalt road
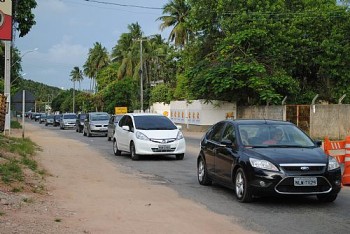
{"type": "Point", "coordinates": [264, 215]}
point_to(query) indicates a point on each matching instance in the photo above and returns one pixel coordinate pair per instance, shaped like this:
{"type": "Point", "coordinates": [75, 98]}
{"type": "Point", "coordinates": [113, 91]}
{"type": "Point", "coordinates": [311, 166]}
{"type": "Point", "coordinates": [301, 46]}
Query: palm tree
{"type": "Point", "coordinates": [177, 11]}
{"type": "Point", "coordinates": [127, 51]}
{"type": "Point", "coordinates": [97, 59]}
{"type": "Point", "coordinates": [77, 75]}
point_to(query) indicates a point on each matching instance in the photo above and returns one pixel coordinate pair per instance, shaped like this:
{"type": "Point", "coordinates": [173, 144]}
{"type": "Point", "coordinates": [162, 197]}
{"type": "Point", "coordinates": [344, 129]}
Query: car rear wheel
{"type": "Point", "coordinates": [327, 197]}
{"type": "Point", "coordinates": [134, 156]}
{"type": "Point", "coordinates": [180, 156]}
{"type": "Point", "coordinates": [242, 189]}
{"type": "Point", "coordinates": [202, 173]}
{"type": "Point", "coordinates": [116, 151]}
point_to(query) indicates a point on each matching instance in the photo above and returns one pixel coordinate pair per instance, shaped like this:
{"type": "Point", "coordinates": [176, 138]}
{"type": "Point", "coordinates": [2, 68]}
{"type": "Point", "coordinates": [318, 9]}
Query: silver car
{"type": "Point", "coordinates": [96, 123]}
{"type": "Point", "coordinates": [67, 120]}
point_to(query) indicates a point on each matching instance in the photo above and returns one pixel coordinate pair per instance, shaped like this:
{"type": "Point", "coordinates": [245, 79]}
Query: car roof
{"type": "Point", "coordinates": [144, 114]}
{"type": "Point", "coordinates": [259, 121]}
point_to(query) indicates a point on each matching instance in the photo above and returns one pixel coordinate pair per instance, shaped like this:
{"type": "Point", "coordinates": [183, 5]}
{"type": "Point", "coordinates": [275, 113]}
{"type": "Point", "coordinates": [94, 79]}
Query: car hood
{"type": "Point", "coordinates": [160, 134]}
{"type": "Point", "coordinates": [289, 155]}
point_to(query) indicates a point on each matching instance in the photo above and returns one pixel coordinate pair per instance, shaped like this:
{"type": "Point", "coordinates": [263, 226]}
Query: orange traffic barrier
{"type": "Point", "coordinates": [335, 149]}
{"type": "Point", "coordinates": [346, 174]}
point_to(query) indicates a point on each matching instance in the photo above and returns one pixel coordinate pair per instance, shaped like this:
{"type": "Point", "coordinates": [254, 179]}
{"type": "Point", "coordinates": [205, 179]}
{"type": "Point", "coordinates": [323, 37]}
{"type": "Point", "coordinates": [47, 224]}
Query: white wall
{"type": "Point", "coordinates": [196, 112]}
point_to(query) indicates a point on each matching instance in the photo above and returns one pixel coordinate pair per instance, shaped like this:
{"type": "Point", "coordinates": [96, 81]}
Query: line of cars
{"type": "Point", "coordinates": [252, 157]}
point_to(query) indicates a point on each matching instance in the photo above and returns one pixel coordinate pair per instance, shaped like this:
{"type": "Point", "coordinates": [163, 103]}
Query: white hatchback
{"type": "Point", "coordinates": [148, 134]}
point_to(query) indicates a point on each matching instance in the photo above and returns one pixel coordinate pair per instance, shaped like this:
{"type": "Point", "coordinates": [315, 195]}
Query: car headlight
{"type": "Point", "coordinates": [179, 135]}
{"type": "Point", "coordinates": [262, 164]}
{"type": "Point", "coordinates": [332, 163]}
{"type": "Point", "coordinates": [141, 136]}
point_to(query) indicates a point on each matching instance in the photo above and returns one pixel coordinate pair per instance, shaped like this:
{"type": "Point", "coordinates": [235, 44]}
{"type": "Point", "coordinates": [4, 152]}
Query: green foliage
{"type": "Point", "coordinates": [161, 93]}
{"type": "Point", "coordinates": [120, 93]}
{"type": "Point", "coordinates": [23, 16]}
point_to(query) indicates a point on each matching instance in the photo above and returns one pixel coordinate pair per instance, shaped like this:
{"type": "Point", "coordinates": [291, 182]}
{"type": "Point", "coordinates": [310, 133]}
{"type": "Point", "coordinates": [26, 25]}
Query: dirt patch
{"type": "Point", "coordinates": [85, 193]}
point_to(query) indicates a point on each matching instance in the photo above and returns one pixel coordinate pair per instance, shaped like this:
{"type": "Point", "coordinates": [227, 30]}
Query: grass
{"type": "Point", "coordinates": [15, 124]}
{"type": "Point", "coordinates": [12, 165]}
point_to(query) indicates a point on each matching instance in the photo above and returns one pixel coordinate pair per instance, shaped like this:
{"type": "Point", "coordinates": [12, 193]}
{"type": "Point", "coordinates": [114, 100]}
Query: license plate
{"type": "Point", "coordinates": [164, 147]}
{"type": "Point", "coordinates": [305, 181]}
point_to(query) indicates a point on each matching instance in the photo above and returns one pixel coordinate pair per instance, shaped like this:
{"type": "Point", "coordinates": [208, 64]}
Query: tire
{"type": "Point", "coordinates": [108, 138]}
{"type": "Point", "coordinates": [242, 189]}
{"type": "Point", "coordinates": [80, 129]}
{"type": "Point", "coordinates": [116, 151]}
{"type": "Point", "coordinates": [202, 173]}
{"type": "Point", "coordinates": [134, 156]}
{"type": "Point", "coordinates": [180, 156]}
{"type": "Point", "coordinates": [327, 197]}
{"type": "Point", "coordinates": [89, 134]}
{"type": "Point", "coordinates": [84, 133]}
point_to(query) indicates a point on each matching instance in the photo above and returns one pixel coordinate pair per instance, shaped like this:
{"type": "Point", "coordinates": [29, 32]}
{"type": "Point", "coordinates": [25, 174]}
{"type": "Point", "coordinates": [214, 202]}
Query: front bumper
{"type": "Point", "coordinates": [154, 148]}
{"type": "Point", "coordinates": [267, 182]}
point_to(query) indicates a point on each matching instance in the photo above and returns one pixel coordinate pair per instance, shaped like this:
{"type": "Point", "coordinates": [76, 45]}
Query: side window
{"type": "Point", "coordinates": [122, 121]}
{"type": "Point", "coordinates": [216, 133]}
{"type": "Point", "coordinates": [229, 133]}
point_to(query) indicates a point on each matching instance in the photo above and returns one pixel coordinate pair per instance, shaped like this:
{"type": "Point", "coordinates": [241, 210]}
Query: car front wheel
{"type": "Point", "coordinates": [202, 173]}
{"type": "Point", "coordinates": [242, 189]}
{"type": "Point", "coordinates": [116, 151]}
{"type": "Point", "coordinates": [134, 156]}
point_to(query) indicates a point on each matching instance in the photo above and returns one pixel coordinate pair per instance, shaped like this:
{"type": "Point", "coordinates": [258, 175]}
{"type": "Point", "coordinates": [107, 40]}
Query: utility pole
{"type": "Point", "coordinates": [141, 73]}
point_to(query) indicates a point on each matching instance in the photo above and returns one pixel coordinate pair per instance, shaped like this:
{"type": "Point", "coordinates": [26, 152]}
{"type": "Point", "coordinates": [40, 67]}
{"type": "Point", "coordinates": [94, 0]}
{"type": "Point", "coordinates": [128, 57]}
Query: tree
{"type": "Point", "coordinates": [177, 11]}
{"type": "Point", "coordinates": [76, 75]}
{"type": "Point", "coordinates": [23, 18]}
{"type": "Point", "coordinates": [97, 59]}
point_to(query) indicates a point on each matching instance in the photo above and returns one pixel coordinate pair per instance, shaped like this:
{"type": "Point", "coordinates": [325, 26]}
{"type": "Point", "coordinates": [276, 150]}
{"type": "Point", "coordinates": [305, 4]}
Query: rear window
{"type": "Point", "coordinates": [154, 122]}
{"type": "Point", "coordinates": [69, 116]}
{"type": "Point", "coordinates": [97, 117]}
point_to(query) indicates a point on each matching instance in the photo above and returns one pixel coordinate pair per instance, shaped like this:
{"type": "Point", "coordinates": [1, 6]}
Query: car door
{"type": "Point", "coordinates": [111, 126]}
{"type": "Point", "coordinates": [211, 145]}
{"type": "Point", "coordinates": [225, 155]}
{"type": "Point", "coordinates": [123, 136]}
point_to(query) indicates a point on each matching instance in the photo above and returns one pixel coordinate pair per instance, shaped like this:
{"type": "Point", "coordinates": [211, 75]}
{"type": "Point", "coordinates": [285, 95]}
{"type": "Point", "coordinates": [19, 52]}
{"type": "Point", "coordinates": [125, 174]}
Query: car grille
{"type": "Point", "coordinates": [163, 141]}
{"type": "Point", "coordinates": [101, 125]}
{"type": "Point", "coordinates": [163, 150]}
{"type": "Point", "coordinates": [303, 169]}
{"type": "Point", "coordinates": [286, 186]}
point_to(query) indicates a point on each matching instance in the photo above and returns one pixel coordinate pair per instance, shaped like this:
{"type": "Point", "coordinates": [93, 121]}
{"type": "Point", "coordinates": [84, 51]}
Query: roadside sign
{"type": "Point", "coordinates": [120, 110]}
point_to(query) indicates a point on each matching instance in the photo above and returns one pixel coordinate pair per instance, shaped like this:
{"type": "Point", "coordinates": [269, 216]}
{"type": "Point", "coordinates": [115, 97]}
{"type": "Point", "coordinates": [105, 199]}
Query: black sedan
{"type": "Point", "coordinates": [266, 157]}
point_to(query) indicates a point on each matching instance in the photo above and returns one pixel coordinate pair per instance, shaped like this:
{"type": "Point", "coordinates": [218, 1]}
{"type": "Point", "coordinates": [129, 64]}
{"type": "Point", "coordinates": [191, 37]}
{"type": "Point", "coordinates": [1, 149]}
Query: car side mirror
{"type": "Point", "coordinates": [126, 128]}
{"type": "Point", "coordinates": [318, 143]}
{"type": "Point", "coordinates": [179, 127]}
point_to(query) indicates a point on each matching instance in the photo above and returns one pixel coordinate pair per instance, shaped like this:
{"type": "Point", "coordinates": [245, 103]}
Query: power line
{"type": "Point", "coordinates": [124, 5]}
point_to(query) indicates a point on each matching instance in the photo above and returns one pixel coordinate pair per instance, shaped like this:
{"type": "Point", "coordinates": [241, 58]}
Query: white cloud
{"type": "Point", "coordinates": [67, 53]}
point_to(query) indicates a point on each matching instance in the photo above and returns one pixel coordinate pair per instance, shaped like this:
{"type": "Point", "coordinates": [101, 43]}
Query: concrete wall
{"type": "Point", "coordinates": [261, 112]}
{"type": "Point", "coordinates": [330, 120]}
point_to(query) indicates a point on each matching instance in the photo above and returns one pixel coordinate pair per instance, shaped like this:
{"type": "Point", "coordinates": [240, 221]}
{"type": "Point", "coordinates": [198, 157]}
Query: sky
{"type": "Point", "coordinates": [65, 30]}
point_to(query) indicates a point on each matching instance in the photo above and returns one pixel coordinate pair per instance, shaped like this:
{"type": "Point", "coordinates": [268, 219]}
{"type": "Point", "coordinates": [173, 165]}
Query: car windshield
{"type": "Point", "coordinates": [50, 117]}
{"type": "Point", "coordinates": [69, 116]}
{"type": "Point", "coordinates": [98, 117]}
{"type": "Point", "coordinates": [268, 135]}
{"type": "Point", "coordinates": [153, 122]}
{"type": "Point", "coordinates": [82, 117]}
